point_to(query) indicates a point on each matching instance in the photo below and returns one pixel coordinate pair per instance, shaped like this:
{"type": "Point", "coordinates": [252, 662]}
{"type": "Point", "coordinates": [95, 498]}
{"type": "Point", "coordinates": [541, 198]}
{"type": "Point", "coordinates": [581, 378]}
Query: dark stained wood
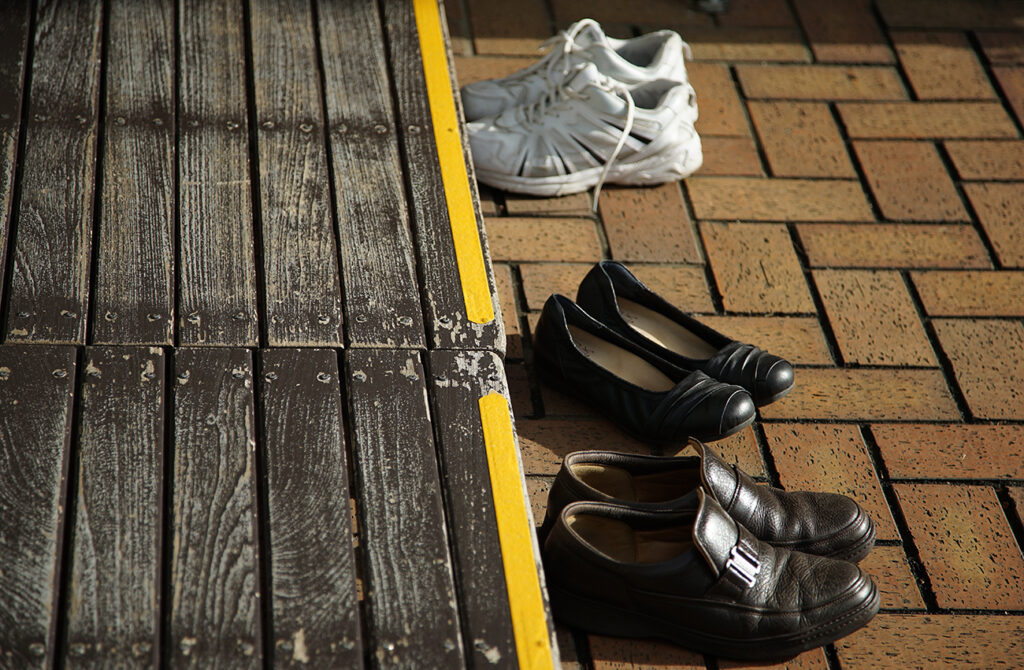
{"type": "Point", "coordinates": [214, 576]}
{"type": "Point", "coordinates": [134, 292]}
{"type": "Point", "coordinates": [313, 571]}
{"type": "Point", "coordinates": [217, 286]}
{"type": "Point", "coordinates": [407, 568]}
{"type": "Point", "coordinates": [458, 379]}
{"type": "Point", "coordinates": [447, 325]}
{"type": "Point", "coordinates": [14, 27]}
{"type": "Point", "coordinates": [382, 305]}
{"type": "Point", "coordinates": [49, 289]}
{"type": "Point", "coordinates": [300, 259]}
{"type": "Point", "coordinates": [36, 386]}
{"type": "Point", "coordinates": [112, 615]}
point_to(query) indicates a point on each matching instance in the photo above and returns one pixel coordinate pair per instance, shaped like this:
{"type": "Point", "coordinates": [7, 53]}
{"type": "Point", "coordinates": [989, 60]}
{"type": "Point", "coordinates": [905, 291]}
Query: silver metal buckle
{"type": "Point", "coordinates": [743, 565]}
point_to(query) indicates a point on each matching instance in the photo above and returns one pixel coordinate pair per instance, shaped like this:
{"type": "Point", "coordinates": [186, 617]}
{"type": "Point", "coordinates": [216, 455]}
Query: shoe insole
{"type": "Point", "coordinates": [665, 331]}
{"type": "Point", "coordinates": [622, 363]}
{"type": "Point", "coordinates": [617, 540]}
{"type": "Point", "coordinates": [620, 484]}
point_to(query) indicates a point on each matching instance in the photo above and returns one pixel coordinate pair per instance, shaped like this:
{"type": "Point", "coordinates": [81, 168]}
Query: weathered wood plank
{"type": "Point", "coordinates": [300, 257]}
{"type": "Point", "coordinates": [112, 615]}
{"type": "Point", "coordinates": [407, 568]}
{"type": "Point", "coordinates": [134, 292]}
{"type": "Point", "coordinates": [458, 381]}
{"type": "Point", "coordinates": [382, 305]}
{"type": "Point", "coordinates": [214, 573]}
{"type": "Point", "coordinates": [36, 387]}
{"type": "Point", "coordinates": [14, 29]}
{"type": "Point", "coordinates": [446, 319]}
{"type": "Point", "coordinates": [217, 277]}
{"type": "Point", "coordinates": [313, 570]}
{"type": "Point", "coordinates": [49, 290]}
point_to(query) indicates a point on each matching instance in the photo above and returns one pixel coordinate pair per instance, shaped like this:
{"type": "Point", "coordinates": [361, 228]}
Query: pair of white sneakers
{"type": "Point", "coordinates": [594, 110]}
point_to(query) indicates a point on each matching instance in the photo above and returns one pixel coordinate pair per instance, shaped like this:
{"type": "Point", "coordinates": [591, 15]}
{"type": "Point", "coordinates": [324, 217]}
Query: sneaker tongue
{"type": "Point", "coordinates": [588, 34]}
{"type": "Point", "coordinates": [714, 532]}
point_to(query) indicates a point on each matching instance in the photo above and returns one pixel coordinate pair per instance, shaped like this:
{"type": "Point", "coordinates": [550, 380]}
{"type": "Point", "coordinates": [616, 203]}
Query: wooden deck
{"type": "Point", "coordinates": [253, 410]}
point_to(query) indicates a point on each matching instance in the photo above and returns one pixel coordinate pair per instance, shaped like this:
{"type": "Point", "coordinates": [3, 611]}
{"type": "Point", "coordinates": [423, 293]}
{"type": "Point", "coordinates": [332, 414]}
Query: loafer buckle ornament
{"type": "Point", "coordinates": [743, 565]}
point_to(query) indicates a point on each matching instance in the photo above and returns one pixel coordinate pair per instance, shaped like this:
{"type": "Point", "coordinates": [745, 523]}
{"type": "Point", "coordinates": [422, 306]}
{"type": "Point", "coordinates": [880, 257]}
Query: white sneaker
{"type": "Point", "coordinates": [657, 55]}
{"type": "Point", "coordinates": [587, 132]}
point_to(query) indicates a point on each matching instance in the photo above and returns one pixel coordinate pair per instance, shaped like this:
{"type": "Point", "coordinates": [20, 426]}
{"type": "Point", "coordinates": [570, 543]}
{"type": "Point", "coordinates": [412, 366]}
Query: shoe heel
{"type": "Point", "coordinates": [672, 164]}
{"type": "Point", "coordinates": [593, 616]}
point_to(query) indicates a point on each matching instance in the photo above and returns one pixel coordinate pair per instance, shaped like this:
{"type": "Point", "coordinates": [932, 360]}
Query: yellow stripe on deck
{"type": "Point", "coordinates": [469, 254]}
{"type": "Point", "coordinates": [529, 623]}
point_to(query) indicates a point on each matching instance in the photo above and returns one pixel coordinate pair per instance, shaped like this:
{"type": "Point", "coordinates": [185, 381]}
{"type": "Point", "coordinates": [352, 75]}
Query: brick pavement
{"type": "Point", "coordinates": [860, 211]}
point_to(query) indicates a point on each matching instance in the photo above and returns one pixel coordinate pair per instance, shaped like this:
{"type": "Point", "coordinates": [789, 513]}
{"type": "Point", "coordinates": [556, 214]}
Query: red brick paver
{"type": "Point", "coordinates": [649, 224]}
{"type": "Point", "coordinates": [890, 570]}
{"type": "Point", "coordinates": [971, 293]}
{"type": "Point", "coordinates": [778, 199]}
{"type": "Point", "coordinates": [966, 545]}
{"type": "Point", "coordinates": [942, 66]}
{"type": "Point", "coordinates": [910, 182]}
{"type": "Point", "coordinates": [801, 139]}
{"type": "Point", "coordinates": [936, 641]}
{"type": "Point", "coordinates": [988, 159]}
{"type": "Point", "coordinates": [873, 317]}
{"type": "Point", "coordinates": [821, 82]}
{"type": "Point", "coordinates": [988, 360]}
{"type": "Point", "coordinates": [893, 245]}
{"type": "Point", "coordinates": [1000, 209]}
{"type": "Point", "coordinates": [756, 267]}
{"type": "Point", "coordinates": [953, 451]}
{"type": "Point", "coordinates": [844, 31]}
{"type": "Point", "coordinates": [922, 120]}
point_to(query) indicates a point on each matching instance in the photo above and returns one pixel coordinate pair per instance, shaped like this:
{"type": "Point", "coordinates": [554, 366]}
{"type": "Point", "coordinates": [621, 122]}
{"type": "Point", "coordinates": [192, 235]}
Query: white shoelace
{"type": "Point", "coordinates": [559, 93]}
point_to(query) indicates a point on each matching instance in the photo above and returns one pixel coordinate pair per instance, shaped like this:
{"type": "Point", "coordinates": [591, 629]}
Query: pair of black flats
{"type": "Point", "coordinates": [658, 373]}
{"type": "Point", "coordinates": [691, 550]}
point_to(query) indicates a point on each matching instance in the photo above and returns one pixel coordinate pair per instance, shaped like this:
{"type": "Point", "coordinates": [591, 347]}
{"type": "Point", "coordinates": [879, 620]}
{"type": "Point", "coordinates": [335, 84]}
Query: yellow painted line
{"type": "Point", "coordinates": [529, 624]}
{"type": "Point", "coordinates": [469, 254]}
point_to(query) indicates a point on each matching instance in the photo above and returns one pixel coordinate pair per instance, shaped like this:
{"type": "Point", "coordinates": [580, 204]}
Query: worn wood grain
{"type": "Point", "coordinates": [134, 292]}
{"type": "Point", "coordinates": [446, 321]}
{"type": "Point", "coordinates": [214, 575]}
{"type": "Point", "coordinates": [112, 612]}
{"type": "Point", "coordinates": [14, 33]}
{"type": "Point", "coordinates": [36, 387]}
{"type": "Point", "coordinates": [457, 381]}
{"type": "Point", "coordinates": [49, 291]}
{"type": "Point", "coordinates": [313, 569]}
{"type": "Point", "coordinates": [300, 258]}
{"type": "Point", "coordinates": [407, 568]}
{"type": "Point", "coordinates": [217, 276]}
{"type": "Point", "coordinates": [382, 305]}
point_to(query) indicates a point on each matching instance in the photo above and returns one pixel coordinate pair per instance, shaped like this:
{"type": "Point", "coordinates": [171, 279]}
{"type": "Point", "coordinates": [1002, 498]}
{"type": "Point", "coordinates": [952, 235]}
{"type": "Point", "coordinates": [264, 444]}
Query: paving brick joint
{"type": "Point", "coordinates": [860, 211]}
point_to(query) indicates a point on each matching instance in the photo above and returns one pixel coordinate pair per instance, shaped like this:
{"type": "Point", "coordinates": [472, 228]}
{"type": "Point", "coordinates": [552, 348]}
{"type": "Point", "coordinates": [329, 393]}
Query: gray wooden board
{"type": "Point", "coordinates": [303, 292]}
{"type": "Point", "coordinates": [214, 620]}
{"type": "Point", "coordinates": [217, 275]}
{"type": "Point", "coordinates": [14, 27]}
{"type": "Point", "coordinates": [407, 571]}
{"type": "Point", "coordinates": [381, 295]}
{"type": "Point", "coordinates": [134, 291]}
{"type": "Point", "coordinates": [112, 612]}
{"type": "Point", "coordinates": [458, 379]}
{"type": "Point", "coordinates": [313, 570]}
{"type": "Point", "coordinates": [36, 388]}
{"type": "Point", "coordinates": [49, 290]}
{"type": "Point", "coordinates": [446, 321]}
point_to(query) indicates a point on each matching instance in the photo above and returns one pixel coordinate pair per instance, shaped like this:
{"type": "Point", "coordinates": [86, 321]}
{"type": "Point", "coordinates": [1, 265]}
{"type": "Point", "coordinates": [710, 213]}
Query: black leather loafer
{"type": "Point", "coordinates": [700, 580]}
{"type": "Point", "coordinates": [612, 295]}
{"type": "Point", "coordinates": [645, 395]}
{"type": "Point", "coordinates": [826, 524]}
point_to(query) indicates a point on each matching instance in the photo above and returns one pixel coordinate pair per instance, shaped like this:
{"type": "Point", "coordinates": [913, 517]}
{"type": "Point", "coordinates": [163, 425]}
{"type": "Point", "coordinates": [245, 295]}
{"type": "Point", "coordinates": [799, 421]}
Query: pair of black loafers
{"type": "Point", "coordinates": [659, 374]}
{"type": "Point", "coordinates": [692, 550]}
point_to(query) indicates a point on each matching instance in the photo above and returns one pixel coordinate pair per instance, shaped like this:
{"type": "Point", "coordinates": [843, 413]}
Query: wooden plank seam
{"type": "Point", "coordinates": [529, 623]}
{"type": "Point", "coordinates": [468, 251]}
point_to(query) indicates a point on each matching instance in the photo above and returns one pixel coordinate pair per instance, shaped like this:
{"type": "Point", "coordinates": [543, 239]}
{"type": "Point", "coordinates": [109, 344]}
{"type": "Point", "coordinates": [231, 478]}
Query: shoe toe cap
{"type": "Point", "coordinates": [737, 412]}
{"type": "Point", "coordinates": [775, 383]}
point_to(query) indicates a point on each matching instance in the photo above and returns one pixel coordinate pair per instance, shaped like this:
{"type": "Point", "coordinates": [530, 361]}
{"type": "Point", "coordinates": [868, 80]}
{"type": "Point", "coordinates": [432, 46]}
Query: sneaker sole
{"type": "Point", "coordinates": [657, 168]}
